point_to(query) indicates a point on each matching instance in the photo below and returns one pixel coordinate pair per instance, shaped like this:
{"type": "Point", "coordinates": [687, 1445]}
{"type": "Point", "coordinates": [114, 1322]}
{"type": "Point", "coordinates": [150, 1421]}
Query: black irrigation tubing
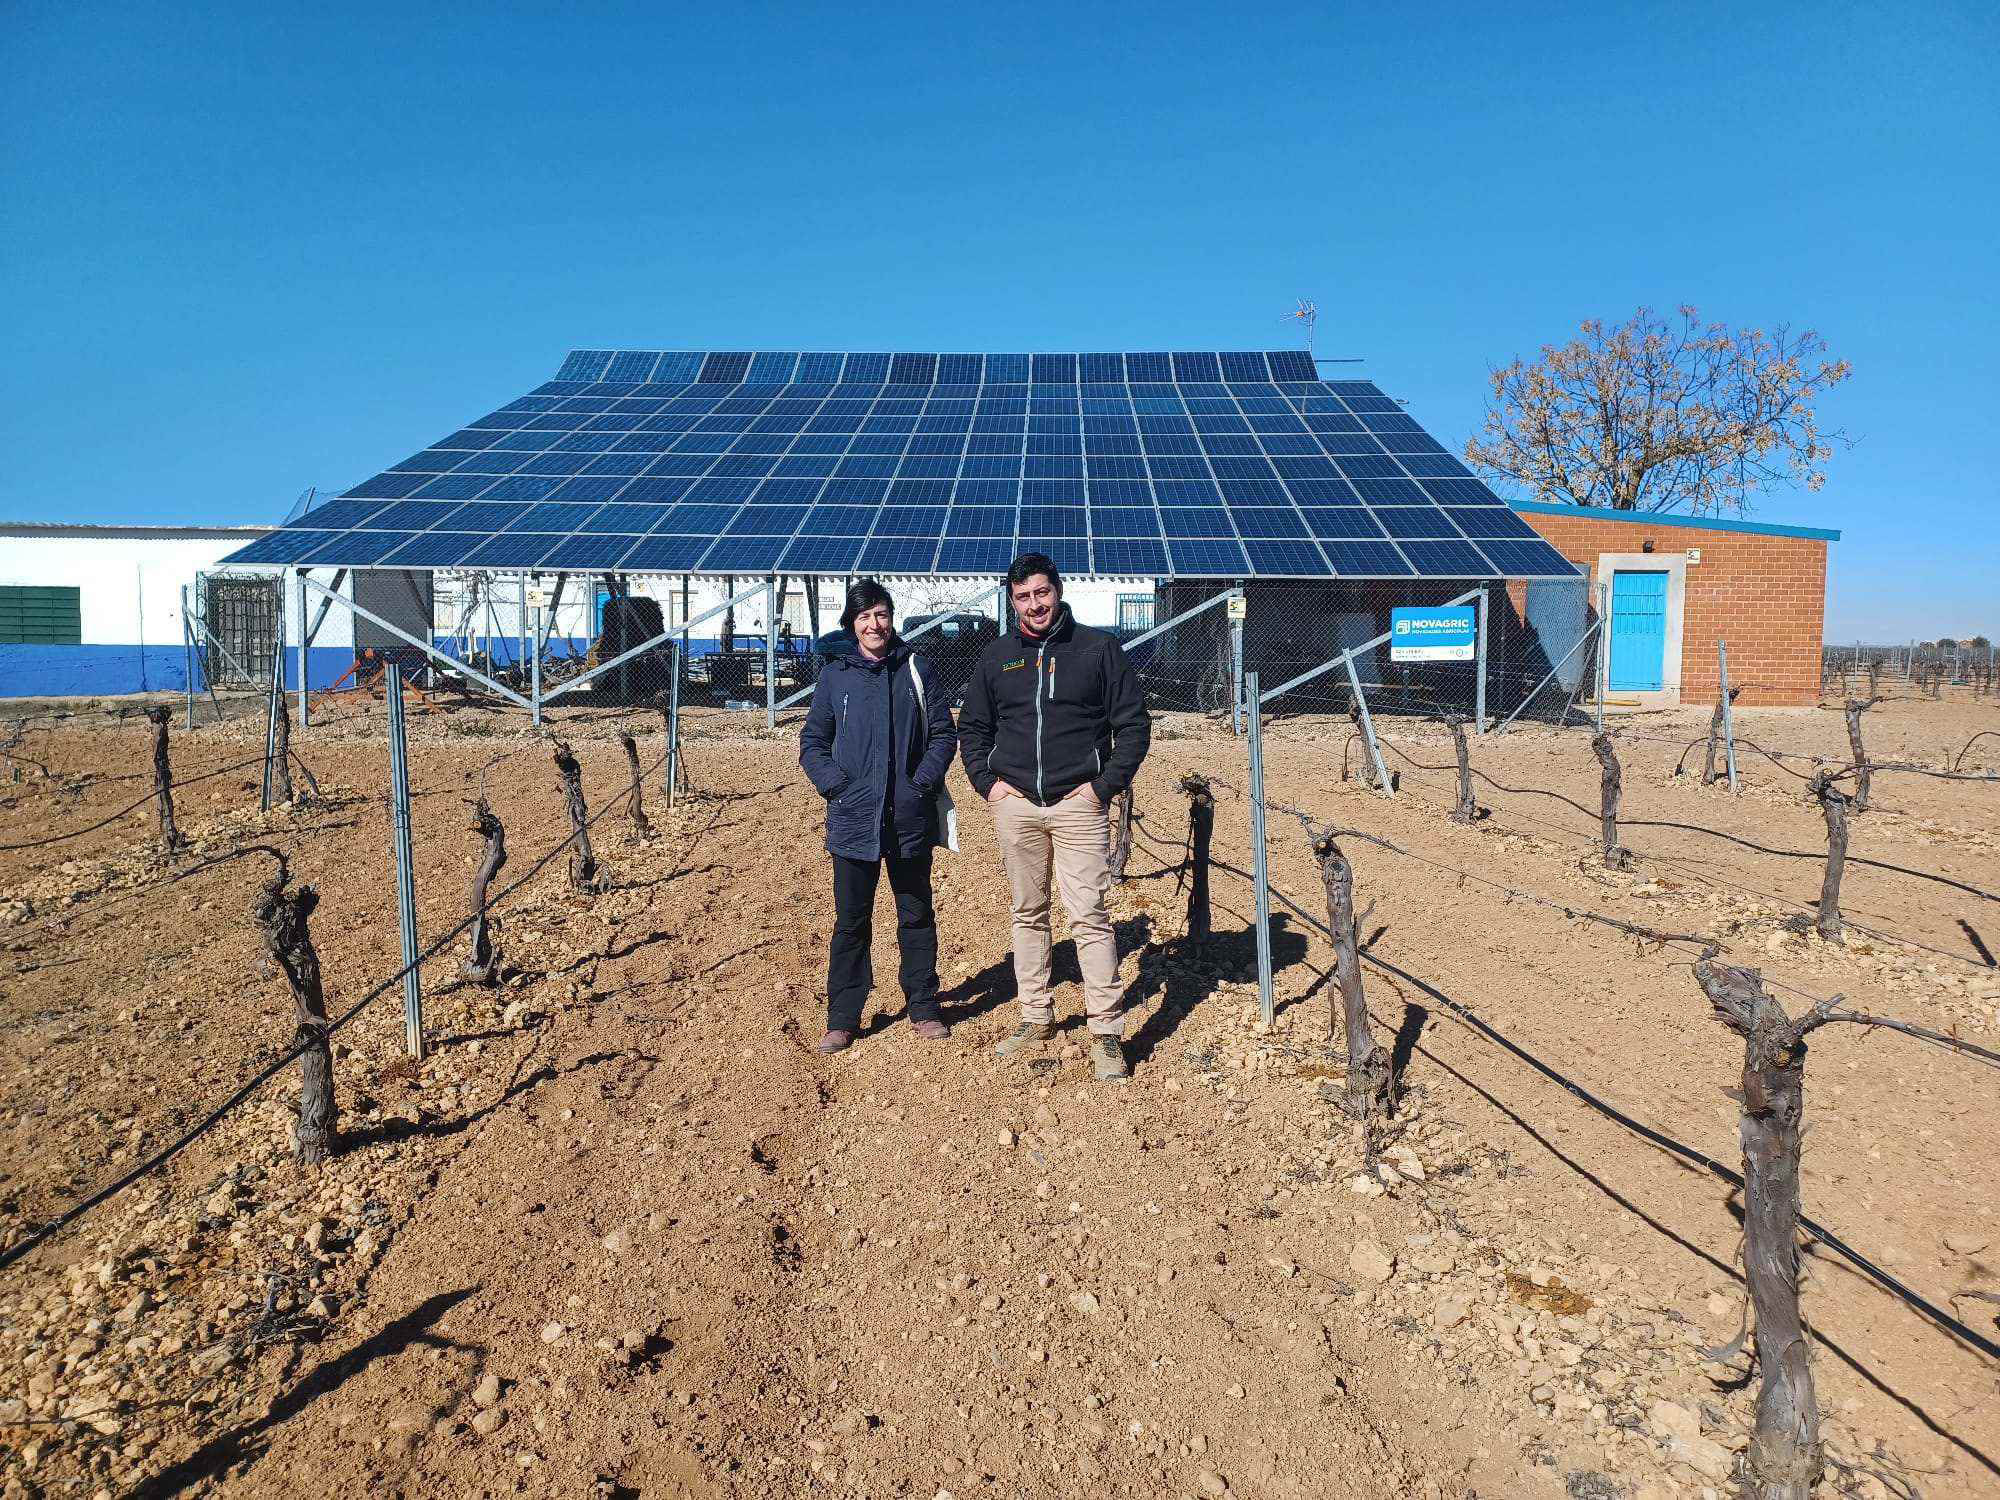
{"type": "Point", "coordinates": [1852, 859]}
{"type": "Point", "coordinates": [176, 785]}
{"type": "Point", "coordinates": [1959, 759]}
{"type": "Point", "coordinates": [1646, 1132]}
{"type": "Point", "coordinates": [215, 1116]}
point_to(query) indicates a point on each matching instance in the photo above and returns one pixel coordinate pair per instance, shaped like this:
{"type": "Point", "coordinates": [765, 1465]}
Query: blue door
{"type": "Point", "coordinates": [1638, 631]}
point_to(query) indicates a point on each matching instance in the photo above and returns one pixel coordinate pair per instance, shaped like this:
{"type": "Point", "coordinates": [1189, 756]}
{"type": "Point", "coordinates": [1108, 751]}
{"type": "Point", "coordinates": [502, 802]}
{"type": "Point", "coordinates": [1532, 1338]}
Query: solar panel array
{"type": "Point", "coordinates": [1226, 465]}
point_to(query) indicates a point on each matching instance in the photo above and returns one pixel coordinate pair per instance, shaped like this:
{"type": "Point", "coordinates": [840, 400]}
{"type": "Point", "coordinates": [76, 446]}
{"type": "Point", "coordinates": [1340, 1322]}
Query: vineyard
{"type": "Point", "coordinates": [621, 1232]}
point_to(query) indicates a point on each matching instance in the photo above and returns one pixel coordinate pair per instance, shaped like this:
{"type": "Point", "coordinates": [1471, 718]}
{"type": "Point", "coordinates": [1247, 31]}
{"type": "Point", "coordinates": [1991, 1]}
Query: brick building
{"type": "Point", "coordinates": [1680, 584]}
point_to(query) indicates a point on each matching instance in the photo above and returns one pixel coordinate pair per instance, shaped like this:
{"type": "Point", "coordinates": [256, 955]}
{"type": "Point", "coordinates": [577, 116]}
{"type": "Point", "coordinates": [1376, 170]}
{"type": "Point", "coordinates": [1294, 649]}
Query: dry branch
{"type": "Point", "coordinates": [284, 918]}
{"type": "Point", "coordinates": [483, 967]}
{"type": "Point", "coordinates": [1784, 1458]}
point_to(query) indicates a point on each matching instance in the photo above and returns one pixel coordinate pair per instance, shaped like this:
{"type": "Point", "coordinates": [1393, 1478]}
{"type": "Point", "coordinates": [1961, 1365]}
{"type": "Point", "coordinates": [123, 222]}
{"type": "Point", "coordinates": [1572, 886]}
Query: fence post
{"type": "Point", "coordinates": [1201, 830]}
{"type": "Point", "coordinates": [1784, 1459]}
{"type": "Point", "coordinates": [535, 667]}
{"type": "Point", "coordinates": [1603, 683]}
{"type": "Point", "coordinates": [273, 696]}
{"type": "Point", "coordinates": [1728, 715]}
{"type": "Point", "coordinates": [674, 773]}
{"type": "Point", "coordinates": [770, 652]}
{"type": "Point", "coordinates": [1467, 810]}
{"type": "Point", "coordinates": [1266, 1002]}
{"type": "Point", "coordinates": [284, 918]}
{"type": "Point", "coordinates": [406, 879]}
{"type": "Point", "coordinates": [187, 649]}
{"type": "Point", "coordinates": [1235, 676]}
{"type": "Point", "coordinates": [1368, 1061]}
{"type": "Point", "coordinates": [634, 807]}
{"type": "Point", "coordinates": [163, 780]}
{"type": "Point", "coordinates": [1834, 805]}
{"type": "Point", "coordinates": [584, 874]}
{"type": "Point", "coordinates": [1382, 782]}
{"type": "Point", "coordinates": [305, 707]}
{"type": "Point", "coordinates": [1121, 851]}
{"type": "Point", "coordinates": [1612, 785]}
{"type": "Point", "coordinates": [483, 967]}
{"type": "Point", "coordinates": [1479, 688]}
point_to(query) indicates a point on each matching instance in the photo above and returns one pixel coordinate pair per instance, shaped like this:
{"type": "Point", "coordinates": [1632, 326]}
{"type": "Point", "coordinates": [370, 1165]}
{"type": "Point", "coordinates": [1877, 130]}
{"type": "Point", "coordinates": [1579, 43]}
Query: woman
{"type": "Point", "coordinates": [877, 744]}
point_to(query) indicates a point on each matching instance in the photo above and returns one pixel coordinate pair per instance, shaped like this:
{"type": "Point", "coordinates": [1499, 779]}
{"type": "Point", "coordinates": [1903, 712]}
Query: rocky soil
{"type": "Point", "coordinates": [623, 1233]}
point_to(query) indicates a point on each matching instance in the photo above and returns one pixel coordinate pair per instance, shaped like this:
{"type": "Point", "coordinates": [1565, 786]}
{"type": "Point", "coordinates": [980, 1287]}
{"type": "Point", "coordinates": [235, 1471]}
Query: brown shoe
{"type": "Point", "coordinates": [1025, 1035]}
{"type": "Point", "coordinates": [836, 1041]}
{"type": "Point", "coordinates": [930, 1031]}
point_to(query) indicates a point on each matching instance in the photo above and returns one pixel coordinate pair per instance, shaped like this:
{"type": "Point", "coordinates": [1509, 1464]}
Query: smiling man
{"type": "Point", "coordinates": [1053, 728]}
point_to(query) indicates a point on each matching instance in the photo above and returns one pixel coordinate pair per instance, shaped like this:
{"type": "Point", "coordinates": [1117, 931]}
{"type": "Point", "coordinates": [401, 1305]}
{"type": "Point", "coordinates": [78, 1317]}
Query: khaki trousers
{"type": "Point", "coordinates": [1073, 840]}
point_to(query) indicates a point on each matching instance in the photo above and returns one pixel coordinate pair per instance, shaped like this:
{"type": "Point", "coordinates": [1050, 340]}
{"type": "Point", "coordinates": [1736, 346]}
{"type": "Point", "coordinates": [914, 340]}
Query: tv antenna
{"type": "Point", "coordinates": [1307, 312]}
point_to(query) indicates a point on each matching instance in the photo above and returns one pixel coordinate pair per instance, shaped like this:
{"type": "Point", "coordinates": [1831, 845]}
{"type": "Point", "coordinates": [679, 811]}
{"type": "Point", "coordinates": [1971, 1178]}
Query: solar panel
{"type": "Point", "coordinates": [1151, 464]}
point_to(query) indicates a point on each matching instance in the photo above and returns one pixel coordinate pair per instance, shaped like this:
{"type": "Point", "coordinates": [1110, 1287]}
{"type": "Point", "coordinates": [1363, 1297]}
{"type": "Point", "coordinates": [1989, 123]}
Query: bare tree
{"type": "Point", "coordinates": [634, 806]}
{"type": "Point", "coordinates": [1368, 1061]}
{"type": "Point", "coordinates": [585, 874]}
{"type": "Point", "coordinates": [1613, 785]}
{"type": "Point", "coordinates": [1651, 415]}
{"type": "Point", "coordinates": [1834, 805]}
{"type": "Point", "coordinates": [483, 967]}
{"type": "Point", "coordinates": [163, 780]}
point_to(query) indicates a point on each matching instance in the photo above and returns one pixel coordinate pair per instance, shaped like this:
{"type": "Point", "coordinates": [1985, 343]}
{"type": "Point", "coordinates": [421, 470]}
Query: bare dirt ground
{"type": "Point", "coordinates": [624, 1233]}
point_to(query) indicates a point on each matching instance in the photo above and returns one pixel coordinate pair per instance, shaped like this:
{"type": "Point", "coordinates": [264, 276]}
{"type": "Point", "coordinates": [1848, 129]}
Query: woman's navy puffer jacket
{"type": "Point", "coordinates": [865, 715]}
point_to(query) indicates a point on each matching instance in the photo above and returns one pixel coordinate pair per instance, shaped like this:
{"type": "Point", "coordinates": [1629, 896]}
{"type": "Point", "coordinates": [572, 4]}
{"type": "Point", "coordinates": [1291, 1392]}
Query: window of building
{"type": "Point", "coordinates": [40, 617]}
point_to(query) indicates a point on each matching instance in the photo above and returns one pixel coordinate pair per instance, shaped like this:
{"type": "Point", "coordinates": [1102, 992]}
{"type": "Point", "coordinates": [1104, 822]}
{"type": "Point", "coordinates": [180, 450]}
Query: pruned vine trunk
{"type": "Point", "coordinates": [1834, 805]}
{"type": "Point", "coordinates": [281, 747]}
{"type": "Point", "coordinates": [1861, 768]}
{"type": "Point", "coordinates": [1708, 771]}
{"type": "Point", "coordinates": [1467, 810]}
{"type": "Point", "coordinates": [584, 872]}
{"type": "Point", "coordinates": [1784, 1459]}
{"type": "Point", "coordinates": [635, 805]}
{"type": "Point", "coordinates": [483, 967]}
{"type": "Point", "coordinates": [163, 780]}
{"type": "Point", "coordinates": [284, 918]}
{"type": "Point", "coordinates": [1201, 829]}
{"type": "Point", "coordinates": [1121, 849]}
{"type": "Point", "coordinates": [1611, 787]}
{"type": "Point", "coordinates": [1368, 1061]}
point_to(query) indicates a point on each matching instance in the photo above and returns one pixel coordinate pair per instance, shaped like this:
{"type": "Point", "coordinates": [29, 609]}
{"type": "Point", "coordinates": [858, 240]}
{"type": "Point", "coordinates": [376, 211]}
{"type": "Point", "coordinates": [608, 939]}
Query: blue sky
{"type": "Point", "coordinates": [250, 250]}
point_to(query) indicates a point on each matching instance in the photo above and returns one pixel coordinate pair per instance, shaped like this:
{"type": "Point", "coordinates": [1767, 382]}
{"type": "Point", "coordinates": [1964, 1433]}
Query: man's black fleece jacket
{"type": "Point", "coordinates": [1048, 713]}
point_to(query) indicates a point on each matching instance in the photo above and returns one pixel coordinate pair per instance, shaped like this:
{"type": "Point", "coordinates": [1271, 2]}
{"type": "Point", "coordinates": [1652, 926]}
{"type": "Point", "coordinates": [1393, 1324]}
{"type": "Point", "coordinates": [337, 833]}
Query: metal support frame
{"type": "Point", "coordinates": [1236, 684]}
{"type": "Point", "coordinates": [535, 670]}
{"type": "Point", "coordinates": [520, 659]}
{"type": "Point", "coordinates": [1479, 687]}
{"type": "Point", "coordinates": [965, 606]}
{"type": "Point", "coordinates": [272, 699]}
{"type": "Point", "coordinates": [449, 664]}
{"type": "Point", "coordinates": [1563, 661]}
{"type": "Point", "coordinates": [1382, 782]}
{"type": "Point", "coordinates": [573, 683]}
{"type": "Point", "coordinates": [1728, 718]}
{"type": "Point", "coordinates": [674, 727]}
{"type": "Point", "coordinates": [305, 641]}
{"type": "Point", "coordinates": [187, 646]}
{"type": "Point", "coordinates": [406, 880]}
{"type": "Point", "coordinates": [770, 651]}
{"type": "Point", "coordinates": [1603, 656]}
{"type": "Point", "coordinates": [1266, 1001]}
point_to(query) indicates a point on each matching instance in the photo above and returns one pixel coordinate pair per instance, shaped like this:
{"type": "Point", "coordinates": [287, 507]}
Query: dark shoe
{"type": "Point", "coordinates": [1023, 1036]}
{"type": "Point", "coordinates": [836, 1041]}
{"type": "Point", "coordinates": [930, 1031]}
{"type": "Point", "coordinates": [1107, 1057]}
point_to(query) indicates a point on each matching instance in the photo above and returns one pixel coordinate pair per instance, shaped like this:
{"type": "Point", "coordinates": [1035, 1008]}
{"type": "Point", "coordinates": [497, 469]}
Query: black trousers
{"type": "Point", "coordinates": [849, 972]}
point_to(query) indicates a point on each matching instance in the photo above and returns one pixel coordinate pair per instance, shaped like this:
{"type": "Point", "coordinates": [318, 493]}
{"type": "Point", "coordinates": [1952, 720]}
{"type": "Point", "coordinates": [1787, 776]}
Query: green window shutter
{"type": "Point", "coordinates": [40, 616]}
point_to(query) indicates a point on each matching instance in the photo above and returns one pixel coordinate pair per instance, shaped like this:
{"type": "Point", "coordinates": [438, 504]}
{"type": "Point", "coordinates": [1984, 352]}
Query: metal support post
{"type": "Point", "coordinates": [770, 653]}
{"type": "Point", "coordinates": [273, 698]}
{"type": "Point", "coordinates": [521, 658]}
{"type": "Point", "coordinates": [1382, 782]}
{"type": "Point", "coordinates": [406, 882]}
{"type": "Point", "coordinates": [1479, 686]}
{"type": "Point", "coordinates": [1266, 1001]}
{"type": "Point", "coordinates": [1728, 719]}
{"type": "Point", "coordinates": [674, 726]}
{"type": "Point", "coordinates": [535, 670]}
{"type": "Point", "coordinates": [1603, 651]}
{"type": "Point", "coordinates": [187, 646]}
{"type": "Point", "coordinates": [1236, 677]}
{"type": "Point", "coordinates": [305, 642]}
